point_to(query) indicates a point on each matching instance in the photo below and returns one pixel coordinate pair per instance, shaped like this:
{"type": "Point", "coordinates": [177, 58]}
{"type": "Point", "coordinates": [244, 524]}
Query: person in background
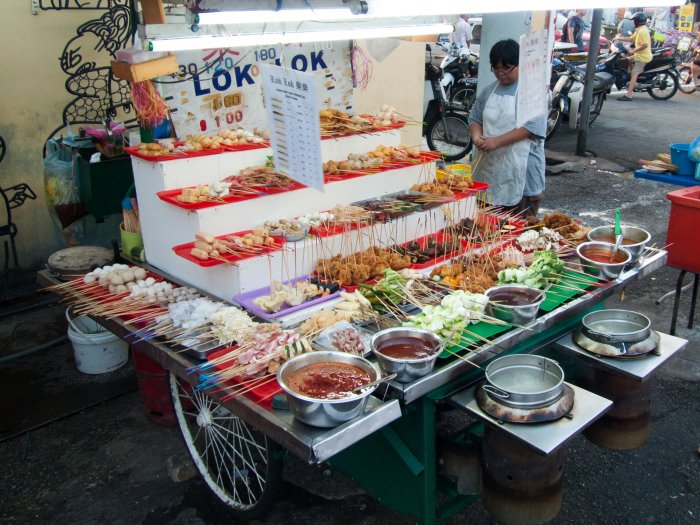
{"type": "Point", "coordinates": [511, 159]}
{"type": "Point", "coordinates": [626, 27]}
{"type": "Point", "coordinates": [463, 32]}
{"type": "Point", "coordinates": [640, 55]}
{"type": "Point", "coordinates": [572, 31]}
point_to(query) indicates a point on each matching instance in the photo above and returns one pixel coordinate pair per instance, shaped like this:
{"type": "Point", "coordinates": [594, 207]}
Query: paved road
{"type": "Point", "coordinates": [108, 464]}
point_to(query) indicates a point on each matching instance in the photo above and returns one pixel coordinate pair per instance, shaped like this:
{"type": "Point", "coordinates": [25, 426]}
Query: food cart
{"type": "Point", "coordinates": [392, 449]}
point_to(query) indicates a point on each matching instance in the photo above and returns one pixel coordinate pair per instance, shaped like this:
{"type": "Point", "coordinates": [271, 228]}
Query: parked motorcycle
{"type": "Point", "coordinates": [458, 64]}
{"type": "Point", "coordinates": [659, 78]}
{"type": "Point", "coordinates": [568, 81]}
{"type": "Point", "coordinates": [445, 124]}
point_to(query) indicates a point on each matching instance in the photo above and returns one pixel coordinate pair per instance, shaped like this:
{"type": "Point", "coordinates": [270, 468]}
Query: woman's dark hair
{"type": "Point", "coordinates": [505, 52]}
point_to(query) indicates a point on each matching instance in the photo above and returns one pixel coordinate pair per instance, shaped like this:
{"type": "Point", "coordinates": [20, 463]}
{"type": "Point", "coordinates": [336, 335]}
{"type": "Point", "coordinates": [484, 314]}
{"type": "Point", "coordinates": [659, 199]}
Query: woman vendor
{"type": "Point", "coordinates": [510, 159]}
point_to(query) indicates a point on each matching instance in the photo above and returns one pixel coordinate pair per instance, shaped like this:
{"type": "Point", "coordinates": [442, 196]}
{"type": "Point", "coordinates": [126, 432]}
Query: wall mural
{"type": "Point", "coordinates": [60, 5]}
{"type": "Point", "coordinates": [85, 59]}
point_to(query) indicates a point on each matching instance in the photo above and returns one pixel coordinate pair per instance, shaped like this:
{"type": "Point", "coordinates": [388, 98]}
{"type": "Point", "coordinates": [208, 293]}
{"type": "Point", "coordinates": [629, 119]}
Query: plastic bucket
{"type": "Point", "coordinates": [96, 349]}
{"type": "Point", "coordinates": [132, 243]}
{"type": "Point", "coordinates": [679, 157]}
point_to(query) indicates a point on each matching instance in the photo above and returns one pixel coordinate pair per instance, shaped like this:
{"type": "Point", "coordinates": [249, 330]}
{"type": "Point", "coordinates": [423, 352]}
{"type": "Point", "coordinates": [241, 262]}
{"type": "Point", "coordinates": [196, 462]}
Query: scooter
{"type": "Point", "coordinates": [457, 64]}
{"type": "Point", "coordinates": [445, 125]}
{"type": "Point", "coordinates": [659, 78]}
{"type": "Point", "coordinates": [567, 94]}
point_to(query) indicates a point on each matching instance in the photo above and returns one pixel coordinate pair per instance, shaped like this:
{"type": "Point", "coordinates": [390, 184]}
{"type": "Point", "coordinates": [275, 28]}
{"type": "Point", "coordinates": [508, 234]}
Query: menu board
{"type": "Point", "coordinates": [293, 120]}
{"type": "Point", "coordinates": [222, 88]}
{"type": "Point", "coordinates": [533, 77]}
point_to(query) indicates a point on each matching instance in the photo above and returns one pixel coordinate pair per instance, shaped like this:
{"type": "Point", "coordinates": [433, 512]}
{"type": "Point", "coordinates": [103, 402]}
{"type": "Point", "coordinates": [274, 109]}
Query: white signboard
{"type": "Point", "coordinates": [221, 88]}
{"type": "Point", "coordinates": [533, 77]}
{"type": "Point", "coordinates": [293, 120]}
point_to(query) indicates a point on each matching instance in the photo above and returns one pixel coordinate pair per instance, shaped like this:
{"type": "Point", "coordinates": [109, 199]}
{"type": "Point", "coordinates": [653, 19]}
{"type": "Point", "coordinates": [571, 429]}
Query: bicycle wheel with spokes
{"type": "Point", "coordinates": [450, 137]}
{"type": "Point", "coordinates": [239, 464]}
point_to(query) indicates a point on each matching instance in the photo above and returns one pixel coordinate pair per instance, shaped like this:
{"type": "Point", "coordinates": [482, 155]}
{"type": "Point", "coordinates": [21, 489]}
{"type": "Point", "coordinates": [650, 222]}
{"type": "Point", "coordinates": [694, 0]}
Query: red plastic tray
{"type": "Point", "coordinates": [478, 186]}
{"type": "Point", "coordinates": [246, 147]}
{"type": "Point", "coordinates": [170, 196]}
{"type": "Point", "coordinates": [351, 288]}
{"type": "Point", "coordinates": [183, 250]}
{"type": "Point", "coordinates": [439, 237]}
{"type": "Point", "coordinates": [259, 394]}
{"type": "Point", "coordinates": [136, 152]}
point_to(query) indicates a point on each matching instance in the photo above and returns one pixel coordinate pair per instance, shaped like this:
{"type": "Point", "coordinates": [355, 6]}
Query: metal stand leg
{"type": "Point", "coordinates": [692, 301]}
{"type": "Point", "coordinates": [676, 300]}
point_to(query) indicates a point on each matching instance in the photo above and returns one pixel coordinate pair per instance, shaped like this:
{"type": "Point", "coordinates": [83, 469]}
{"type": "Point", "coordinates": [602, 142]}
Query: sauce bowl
{"type": "Point", "coordinates": [406, 369]}
{"type": "Point", "coordinates": [326, 413]}
{"type": "Point", "coordinates": [595, 259]}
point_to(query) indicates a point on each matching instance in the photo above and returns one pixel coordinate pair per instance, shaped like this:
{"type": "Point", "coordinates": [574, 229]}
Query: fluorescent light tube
{"type": "Point", "coordinates": [283, 15]}
{"type": "Point", "coordinates": [262, 39]}
{"type": "Point", "coordinates": [405, 8]}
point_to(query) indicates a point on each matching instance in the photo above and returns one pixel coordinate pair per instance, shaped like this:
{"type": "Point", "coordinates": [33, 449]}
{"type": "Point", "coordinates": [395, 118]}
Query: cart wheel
{"type": "Point", "coordinates": [239, 464]}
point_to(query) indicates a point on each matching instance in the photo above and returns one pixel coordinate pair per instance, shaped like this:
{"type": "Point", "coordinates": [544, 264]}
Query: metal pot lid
{"type": "Point", "coordinates": [616, 326]}
{"type": "Point", "coordinates": [558, 409]}
{"type": "Point", "coordinates": [79, 260]}
{"type": "Point", "coordinates": [619, 350]}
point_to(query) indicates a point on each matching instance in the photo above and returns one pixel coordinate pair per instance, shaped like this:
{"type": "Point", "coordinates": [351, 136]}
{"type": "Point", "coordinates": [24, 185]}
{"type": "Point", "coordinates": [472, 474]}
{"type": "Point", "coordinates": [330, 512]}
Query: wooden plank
{"type": "Point", "coordinates": [145, 70]}
{"type": "Point", "coordinates": [153, 12]}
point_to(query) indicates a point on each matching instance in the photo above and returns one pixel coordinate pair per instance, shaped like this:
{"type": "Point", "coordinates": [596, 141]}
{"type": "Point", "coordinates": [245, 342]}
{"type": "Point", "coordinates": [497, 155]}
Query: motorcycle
{"type": "Point", "coordinates": [459, 63]}
{"type": "Point", "coordinates": [567, 93]}
{"type": "Point", "coordinates": [445, 125]}
{"type": "Point", "coordinates": [659, 78]}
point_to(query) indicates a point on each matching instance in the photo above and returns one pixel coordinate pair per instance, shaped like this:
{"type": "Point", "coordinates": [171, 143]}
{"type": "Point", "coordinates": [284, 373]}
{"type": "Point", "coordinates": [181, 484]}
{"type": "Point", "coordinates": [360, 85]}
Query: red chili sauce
{"type": "Point", "coordinates": [603, 256]}
{"type": "Point", "coordinates": [512, 298]}
{"type": "Point", "coordinates": [327, 380]}
{"type": "Point", "coordinates": [406, 348]}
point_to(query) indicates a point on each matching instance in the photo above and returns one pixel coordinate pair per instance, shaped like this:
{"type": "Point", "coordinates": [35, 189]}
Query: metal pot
{"type": "Point", "coordinates": [326, 413]}
{"type": "Point", "coordinates": [518, 315]}
{"type": "Point", "coordinates": [603, 270]}
{"type": "Point", "coordinates": [616, 326]}
{"type": "Point", "coordinates": [638, 235]}
{"type": "Point", "coordinates": [406, 370]}
{"type": "Point", "coordinates": [524, 381]}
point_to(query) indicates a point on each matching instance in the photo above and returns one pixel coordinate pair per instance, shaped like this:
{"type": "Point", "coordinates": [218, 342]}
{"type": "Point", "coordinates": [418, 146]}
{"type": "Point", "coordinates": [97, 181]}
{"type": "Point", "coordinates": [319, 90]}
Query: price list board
{"type": "Point", "coordinates": [291, 100]}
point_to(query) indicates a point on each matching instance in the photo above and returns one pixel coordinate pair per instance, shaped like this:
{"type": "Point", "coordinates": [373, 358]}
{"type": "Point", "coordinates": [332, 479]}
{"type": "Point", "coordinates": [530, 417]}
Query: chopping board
{"type": "Point", "coordinates": [79, 260]}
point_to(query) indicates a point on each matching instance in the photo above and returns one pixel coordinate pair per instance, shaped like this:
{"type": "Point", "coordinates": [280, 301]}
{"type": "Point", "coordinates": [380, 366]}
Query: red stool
{"type": "Point", "coordinates": [154, 390]}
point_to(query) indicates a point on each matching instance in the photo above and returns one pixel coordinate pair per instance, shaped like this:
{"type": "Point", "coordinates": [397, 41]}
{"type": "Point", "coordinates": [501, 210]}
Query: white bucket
{"type": "Point", "coordinates": [96, 349]}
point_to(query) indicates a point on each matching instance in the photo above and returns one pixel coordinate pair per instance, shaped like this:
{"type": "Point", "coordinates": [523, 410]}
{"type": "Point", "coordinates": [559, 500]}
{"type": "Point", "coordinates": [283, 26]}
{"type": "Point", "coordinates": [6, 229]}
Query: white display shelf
{"type": "Point", "coordinates": [225, 281]}
{"type": "Point", "coordinates": [165, 225]}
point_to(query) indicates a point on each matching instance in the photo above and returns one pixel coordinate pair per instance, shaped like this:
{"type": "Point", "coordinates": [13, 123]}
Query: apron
{"type": "Point", "coordinates": [504, 168]}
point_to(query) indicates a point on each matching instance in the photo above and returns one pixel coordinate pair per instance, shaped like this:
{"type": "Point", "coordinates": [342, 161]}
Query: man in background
{"type": "Point", "coordinates": [462, 35]}
{"type": "Point", "coordinates": [575, 29]}
{"type": "Point", "coordinates": [640, 55]}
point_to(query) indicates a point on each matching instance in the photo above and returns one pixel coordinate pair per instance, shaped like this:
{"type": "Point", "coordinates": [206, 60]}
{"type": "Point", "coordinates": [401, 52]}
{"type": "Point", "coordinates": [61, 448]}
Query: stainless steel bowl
{"type": "Point", "coordinates": [602, 270]}
{"type": "Point", "coordinates": [518, 315]}
{"type": "Point", "coordinates": [616, 326]}
{"type": "Point", "coordinates": [406, 370]}
{"type": "Point", "coordinates": [524, 381]}
{"type": "Point", "coordinates": [640, 237]}
{"type": "Point", "coordinates": [325, 413]}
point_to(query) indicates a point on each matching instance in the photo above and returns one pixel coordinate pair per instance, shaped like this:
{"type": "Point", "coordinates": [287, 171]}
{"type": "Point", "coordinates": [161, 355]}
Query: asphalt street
{"type": "Point", "coordinates": [107, 464]}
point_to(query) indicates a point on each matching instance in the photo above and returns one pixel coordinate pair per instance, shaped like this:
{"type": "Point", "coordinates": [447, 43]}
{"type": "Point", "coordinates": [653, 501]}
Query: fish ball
{"type": "Point", "coordinates": [140, 273]}
{"type": "Point", "coordinates": [150, 281]}
{"type": "Point", "coordinates": [120, 288]}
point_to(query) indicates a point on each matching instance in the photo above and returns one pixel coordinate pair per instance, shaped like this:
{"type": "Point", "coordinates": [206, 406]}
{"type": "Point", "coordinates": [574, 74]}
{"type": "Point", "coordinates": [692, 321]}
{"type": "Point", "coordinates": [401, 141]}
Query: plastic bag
{"type": "Point", "coordinates": [343, 337]}
{"type": "Point", "coordinates": [694, 150]}
{"type": "Point", "coordinates": [59, 183]}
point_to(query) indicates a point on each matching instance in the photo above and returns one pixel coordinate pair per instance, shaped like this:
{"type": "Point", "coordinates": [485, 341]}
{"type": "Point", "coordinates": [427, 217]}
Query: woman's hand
{"type": "Point", "coordinates": [489, 144]}
{"type": "Point", "coordinates": [478, 140]}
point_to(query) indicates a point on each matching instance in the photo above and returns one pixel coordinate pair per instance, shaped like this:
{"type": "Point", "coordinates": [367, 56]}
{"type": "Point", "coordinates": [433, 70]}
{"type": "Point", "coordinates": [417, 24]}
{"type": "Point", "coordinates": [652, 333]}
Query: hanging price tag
{"type": "Point", "coordinates": [291, 100]}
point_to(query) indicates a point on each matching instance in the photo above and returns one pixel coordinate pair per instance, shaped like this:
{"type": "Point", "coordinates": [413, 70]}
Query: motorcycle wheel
{"type": "Point", "coordinates": [686, 80]}
{"type": "Point", "coordinates": [460, 140]}
{"type": "Point", "coordinates": [596, 106]}
{"type": "Point", "coordinates": [553, 120]}
{"type": "Point", "coordinates": [465, 97]}
{"type": "Point", "coordinates": [663, 86]}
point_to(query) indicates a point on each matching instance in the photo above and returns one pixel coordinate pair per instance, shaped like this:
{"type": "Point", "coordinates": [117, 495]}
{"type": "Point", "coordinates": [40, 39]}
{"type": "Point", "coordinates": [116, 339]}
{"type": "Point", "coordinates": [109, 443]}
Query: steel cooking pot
{"type": "Point", "coordinates": [616, 326]}
{"type": "Point", "coordinates": [524, 381]}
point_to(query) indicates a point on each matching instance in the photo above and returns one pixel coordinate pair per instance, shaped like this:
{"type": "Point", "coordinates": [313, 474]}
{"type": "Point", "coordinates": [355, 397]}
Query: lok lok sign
{"type": "Point", "coordinates": [222, 88]}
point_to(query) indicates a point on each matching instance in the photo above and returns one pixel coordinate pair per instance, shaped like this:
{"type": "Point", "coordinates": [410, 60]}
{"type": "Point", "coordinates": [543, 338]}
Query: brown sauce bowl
{"type": "Point", "coordinates": [597, 259]}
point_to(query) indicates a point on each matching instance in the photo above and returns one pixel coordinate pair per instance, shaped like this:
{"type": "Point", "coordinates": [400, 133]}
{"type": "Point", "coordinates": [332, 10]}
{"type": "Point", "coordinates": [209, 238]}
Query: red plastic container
{"type": "Point", "coordinates": [683, 236]}
{"type": "Point", "coordinates": [154, 390]}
